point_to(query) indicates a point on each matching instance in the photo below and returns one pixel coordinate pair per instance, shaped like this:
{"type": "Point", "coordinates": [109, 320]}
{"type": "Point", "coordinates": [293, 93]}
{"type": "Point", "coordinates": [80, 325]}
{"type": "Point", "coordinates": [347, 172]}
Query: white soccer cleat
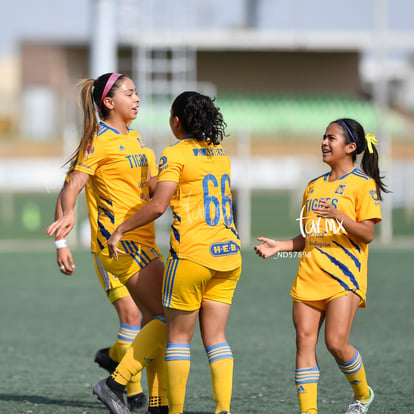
{"type": "Point", "coordinates": [359, 407]}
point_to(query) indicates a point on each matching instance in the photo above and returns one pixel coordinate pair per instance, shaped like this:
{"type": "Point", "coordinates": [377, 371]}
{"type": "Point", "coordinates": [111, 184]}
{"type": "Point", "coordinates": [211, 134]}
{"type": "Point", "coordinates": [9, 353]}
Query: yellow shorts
{"type": "Point", "coordinates": [322, 304]}
{"type": "Point", "coordinates": [113, 287]}
{"type": "Point", "coordinates": [128, 264]}
{"type": "Point", "coordinates": [186, 284]}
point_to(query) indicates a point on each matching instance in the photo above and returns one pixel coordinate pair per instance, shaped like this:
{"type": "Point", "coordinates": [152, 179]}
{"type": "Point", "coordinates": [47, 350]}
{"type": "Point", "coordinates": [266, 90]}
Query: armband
{"type": "Point", "coordinates": [60, 243]}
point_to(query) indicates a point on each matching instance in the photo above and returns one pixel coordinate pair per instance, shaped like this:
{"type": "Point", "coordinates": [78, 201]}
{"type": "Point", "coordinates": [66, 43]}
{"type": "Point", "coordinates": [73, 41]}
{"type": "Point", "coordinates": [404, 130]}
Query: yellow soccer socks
{"type": "Point", "coordinates": [178, 360]}
{"type": "Point", "coordinates": [220, 359]}
{"type": "Point", "coordinates": [146, 347]}
{"type": "Point", "coordinates": [355, 374]}
{"type": "Point", "coordinates": [126, 336]}
{"type": "Point", "coordinates": [306, 380]}
{"type": "Point", "coordinates": [157, 381]}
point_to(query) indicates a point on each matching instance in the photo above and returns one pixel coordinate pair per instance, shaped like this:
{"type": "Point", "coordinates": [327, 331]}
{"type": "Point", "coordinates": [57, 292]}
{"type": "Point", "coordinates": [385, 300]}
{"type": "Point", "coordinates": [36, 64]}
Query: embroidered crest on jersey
{"type": "Point", "coordinates": [90, 149]}
{"type": "Point", "coordinates": [163, 163]}
{"type": "Point", "coordinates": [374, 195]}
{"type": "Point", "coordinates": [340, 189]}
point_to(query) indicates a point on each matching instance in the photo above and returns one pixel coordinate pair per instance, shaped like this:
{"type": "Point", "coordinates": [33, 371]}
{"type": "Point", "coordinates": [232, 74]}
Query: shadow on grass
{"type": "Point", "coordinates": [39, 399]}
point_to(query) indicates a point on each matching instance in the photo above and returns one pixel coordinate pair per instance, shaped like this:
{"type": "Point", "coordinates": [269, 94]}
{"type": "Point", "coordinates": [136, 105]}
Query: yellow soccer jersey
{"type": "Point", "coordinates": [333, 260]}
{"type": "Point", "coordinates": [118, 169]}
{"type": "Point", "coordinates": [203, 229]}
{"type": "Point", "coordinates": [91, 202]}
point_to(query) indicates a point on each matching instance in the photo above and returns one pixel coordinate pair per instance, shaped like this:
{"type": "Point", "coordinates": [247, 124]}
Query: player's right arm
{"type": "Point", "coordinates": [64, 224]}
{"type": "Point", "coordinates": [64, 255]}
{"type": "Point", "coordinates": [270, 247]}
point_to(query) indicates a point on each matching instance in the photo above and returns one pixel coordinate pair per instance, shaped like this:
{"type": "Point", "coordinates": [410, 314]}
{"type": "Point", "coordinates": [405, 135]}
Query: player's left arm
{"type": "Point", "coordinates": [363, 230]}
{"type": "Point", "coordinates": [64, 255]}
{"type": "Point", "coordinates": [155, 208]}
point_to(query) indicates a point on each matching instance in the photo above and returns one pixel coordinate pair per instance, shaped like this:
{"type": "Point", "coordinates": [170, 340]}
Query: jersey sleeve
{"type": "Point", "coordinates": [171, 164]}
{"type": "Point", "coordinates": [368, 203]}
{"type": "Point", "coordinates": [94, 156]}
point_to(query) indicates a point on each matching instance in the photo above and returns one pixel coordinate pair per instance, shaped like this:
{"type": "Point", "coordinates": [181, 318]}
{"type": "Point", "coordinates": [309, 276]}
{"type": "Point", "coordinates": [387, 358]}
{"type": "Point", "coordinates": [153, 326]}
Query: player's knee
{"type": "Point", "coordinates": [335, 345]}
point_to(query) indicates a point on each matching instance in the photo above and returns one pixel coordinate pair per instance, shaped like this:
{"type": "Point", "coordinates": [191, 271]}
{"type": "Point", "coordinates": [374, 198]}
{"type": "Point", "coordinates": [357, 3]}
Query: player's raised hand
{"type": "Point", "coordinates": [268, 248]}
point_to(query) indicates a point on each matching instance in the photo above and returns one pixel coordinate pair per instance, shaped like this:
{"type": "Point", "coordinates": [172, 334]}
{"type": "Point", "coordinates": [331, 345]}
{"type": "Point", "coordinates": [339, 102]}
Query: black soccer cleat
{"type": "Point", "coordinates": [113, 402]}
{"type": "Point", "coordinates": [162, 409]}
{"type": "Point", "coordinates": [138, 403]}
{"type": "Point", "coordinates": [103, 359]}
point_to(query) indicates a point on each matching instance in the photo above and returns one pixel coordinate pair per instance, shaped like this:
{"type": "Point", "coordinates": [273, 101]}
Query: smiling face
{"type": "Point", "coordinates": [334, 149]}
{"type": "Point", "coordinates": [125, 101]}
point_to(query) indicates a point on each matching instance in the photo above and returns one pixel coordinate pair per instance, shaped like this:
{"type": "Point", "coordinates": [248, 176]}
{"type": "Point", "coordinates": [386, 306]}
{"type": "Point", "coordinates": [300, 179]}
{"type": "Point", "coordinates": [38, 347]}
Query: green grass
{"type": "Point", "coordinates": [53, 324]}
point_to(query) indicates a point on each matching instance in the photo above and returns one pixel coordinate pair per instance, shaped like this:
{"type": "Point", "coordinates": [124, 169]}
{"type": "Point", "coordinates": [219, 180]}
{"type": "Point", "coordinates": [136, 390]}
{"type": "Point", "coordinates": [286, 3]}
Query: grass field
{"type": "Point", "coordinates": [53, 324]}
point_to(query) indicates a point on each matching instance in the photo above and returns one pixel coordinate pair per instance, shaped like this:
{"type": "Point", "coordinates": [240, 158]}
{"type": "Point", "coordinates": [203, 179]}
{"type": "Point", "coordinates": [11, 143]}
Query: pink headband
{"type": "Point", "coordinates": [109, 83]}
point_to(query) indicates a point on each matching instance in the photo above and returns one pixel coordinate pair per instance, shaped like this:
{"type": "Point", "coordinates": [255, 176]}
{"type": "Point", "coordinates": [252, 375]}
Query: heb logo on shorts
{"type": "Point", "coordinates": [224, 248]}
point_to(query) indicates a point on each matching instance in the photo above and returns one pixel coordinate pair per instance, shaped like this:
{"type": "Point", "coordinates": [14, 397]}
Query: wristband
{"type": "Point", "coordinates": [60, 243]}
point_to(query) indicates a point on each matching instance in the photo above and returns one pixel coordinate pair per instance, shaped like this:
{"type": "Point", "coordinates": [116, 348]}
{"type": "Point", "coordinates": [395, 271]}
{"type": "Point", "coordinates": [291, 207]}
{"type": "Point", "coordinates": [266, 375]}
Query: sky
{"type": "Point", "coordinates": [71, 19]}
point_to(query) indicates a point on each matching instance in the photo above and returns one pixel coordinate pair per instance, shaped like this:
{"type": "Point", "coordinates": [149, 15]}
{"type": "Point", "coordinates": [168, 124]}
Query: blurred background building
{"type": "Point", "coordinates": [281, 71]}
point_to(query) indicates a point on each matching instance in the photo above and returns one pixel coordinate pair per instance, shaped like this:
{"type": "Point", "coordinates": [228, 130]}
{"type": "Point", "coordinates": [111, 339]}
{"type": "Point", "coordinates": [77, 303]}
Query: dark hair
{"type": "Point", "coordinates": [354, 132]}
{"type": "Point", "coordinates": [199, 117]}
{"type": "Point", "coordinates": [90, 98]}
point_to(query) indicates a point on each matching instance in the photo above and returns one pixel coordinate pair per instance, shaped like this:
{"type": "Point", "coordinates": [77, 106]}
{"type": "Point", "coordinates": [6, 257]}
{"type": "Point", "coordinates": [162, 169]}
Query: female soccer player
{"type": "Point", "coordinates": [112, 158]}
{"type": "Point", "coordinates": [204, 262]}
{"type": "Point", "coordinates": [128, 313]}
{"type": "Point", "coordinates": [338, 216]}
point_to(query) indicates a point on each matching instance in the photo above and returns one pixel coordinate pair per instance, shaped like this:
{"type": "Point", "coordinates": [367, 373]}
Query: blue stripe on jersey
{"type": "Point", "coordinates": [325, 176]}
{"type": "Point", "coordinates": [360, 173]}
{"type": "Point", "coordinates": [108, 214]}
{"type": "Point", "coordinates": [341, 266]}
{"type": "Point", "coordinates": [169, 281]}
{"type": "Point", "coordinates": [101, 246]}
{"type": "Point", "coordinates": [173, 253]}
{"type": "Point", "coordinates": [104, 232]}
{"type": "Point", "coordinates": [176, 234]}
{"type": "Point", "coordinates": [175, 215]}
{"type": "Point", "coordinates": [341, 282]}
{"type": "Point", "coordinates": [102, 272]}
{"type": "Point", "coordinates": [349, 253]}
{"type": "Point", "coordinates": [234, 232]}
{"type": "Point", "coordinates": [354, 244]}
{"type": "Point", "coordinates": [103, 128]}
{"type": "Point", "coordinates": [106, 201]}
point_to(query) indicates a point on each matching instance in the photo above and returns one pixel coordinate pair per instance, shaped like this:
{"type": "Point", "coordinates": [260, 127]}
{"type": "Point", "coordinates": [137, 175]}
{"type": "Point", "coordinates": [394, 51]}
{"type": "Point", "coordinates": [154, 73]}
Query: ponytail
{"type": "Point", "coordinates": [369, 165]}
{"type": "Point", "coordinates": [90, 121]}
{"type": "Point", "coordinates": [365, 143]}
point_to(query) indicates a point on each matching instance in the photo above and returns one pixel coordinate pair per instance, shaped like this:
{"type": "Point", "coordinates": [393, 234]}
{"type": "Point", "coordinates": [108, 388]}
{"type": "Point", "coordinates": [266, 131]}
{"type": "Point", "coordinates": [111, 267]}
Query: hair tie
{"type": "Point", "coordinates": [108, 86]}
{"type": "Point", "coordinates": [370, 138]}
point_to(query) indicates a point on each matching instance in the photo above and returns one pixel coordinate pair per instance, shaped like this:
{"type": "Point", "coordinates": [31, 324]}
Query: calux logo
{"type": "Point", "coordinates": [317, 227]}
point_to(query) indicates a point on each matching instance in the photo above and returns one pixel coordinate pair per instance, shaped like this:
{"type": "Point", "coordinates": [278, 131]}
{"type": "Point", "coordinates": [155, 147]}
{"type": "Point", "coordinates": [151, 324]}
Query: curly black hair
{"type": "Point", "coordinates": [199, 117]}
